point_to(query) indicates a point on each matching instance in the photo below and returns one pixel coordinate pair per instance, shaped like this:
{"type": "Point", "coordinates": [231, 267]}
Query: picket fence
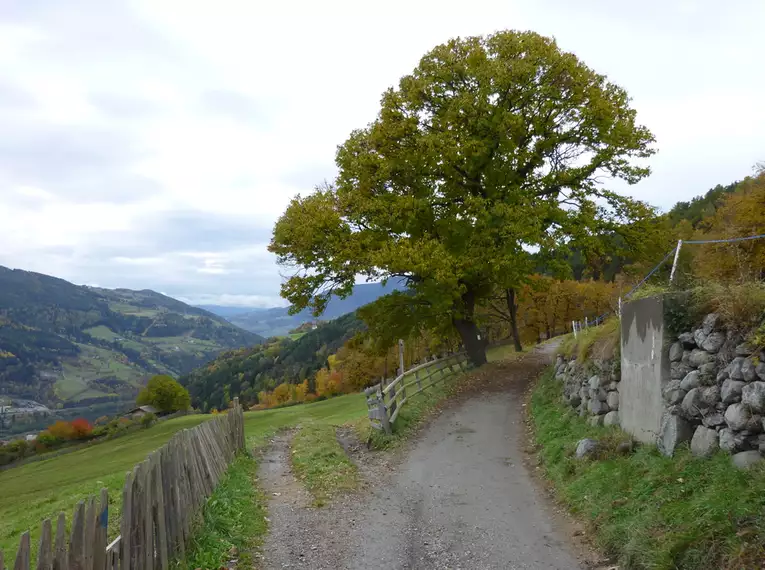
{"type": "Point", "coordinates": [160, 501]}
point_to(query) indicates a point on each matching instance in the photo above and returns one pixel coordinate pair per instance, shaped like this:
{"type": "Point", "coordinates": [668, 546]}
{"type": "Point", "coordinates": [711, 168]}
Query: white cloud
{"type": "Point", "coordinates": [143, 149]}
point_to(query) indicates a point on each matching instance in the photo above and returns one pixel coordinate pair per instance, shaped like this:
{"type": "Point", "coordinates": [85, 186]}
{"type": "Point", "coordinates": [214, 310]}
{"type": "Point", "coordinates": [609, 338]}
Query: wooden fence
{"type": "Point", "coordinates": [385, 402]}
{"type": "Point", "coordinates": [160, 500]}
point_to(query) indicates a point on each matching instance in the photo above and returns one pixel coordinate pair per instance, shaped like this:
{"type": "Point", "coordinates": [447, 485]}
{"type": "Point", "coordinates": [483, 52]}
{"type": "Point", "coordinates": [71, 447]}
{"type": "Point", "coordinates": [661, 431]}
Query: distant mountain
{"type": "Point", "coordinates": [66, 345]}
{"type": "Point", "coordinates": [226, 311]}
{"type": "Point", "coordinates": [278, 322]}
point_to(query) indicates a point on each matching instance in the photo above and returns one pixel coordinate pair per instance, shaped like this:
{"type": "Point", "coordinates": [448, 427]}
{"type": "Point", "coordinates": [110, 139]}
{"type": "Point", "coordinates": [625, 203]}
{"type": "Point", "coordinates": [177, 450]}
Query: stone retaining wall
{"type": "Point", "coordinates": [711, 386]}
{"type": "Point", "coordinates": [716, 393]}
{"type": "Point", "coordinates": [592, 388]}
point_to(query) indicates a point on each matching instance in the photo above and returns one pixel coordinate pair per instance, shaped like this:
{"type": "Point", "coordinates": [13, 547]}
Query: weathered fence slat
{"type": "Point", "coordinates": [101, 526]}
{"type": "Point", "coordinates": [147, 547]}
{"type": "Point", "coordinates": [89, 534]}
{"type": "Point", "coordinates": [159, 514]}
{"type": "Point", "coordinates": [126, 523]}
{"type": "Point", "coordinates": [76, 547]}
{"type": "Point", "coordinates": [60, 561]}
{"type": "Point", "coordinates": [113, 553]}
{"type": "Point", "coordinates": [24, 553]}
{"type": "Point", "coordinates": [45, 552]}
{"type": "Point", "coordinates": [136, 520]}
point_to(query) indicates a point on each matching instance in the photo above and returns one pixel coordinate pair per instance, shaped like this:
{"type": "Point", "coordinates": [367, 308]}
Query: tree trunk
{"type": "Point", "coordinates": [468, 331]}
{"type": "Point", "coordinates": [471, 338]}
{"type": "Point", "coordinates": [512, 307]}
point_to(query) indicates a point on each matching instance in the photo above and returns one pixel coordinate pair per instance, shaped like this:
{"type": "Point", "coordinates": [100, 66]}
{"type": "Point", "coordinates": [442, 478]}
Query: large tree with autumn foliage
{"type": "Point", "coordinates": [492, 147]}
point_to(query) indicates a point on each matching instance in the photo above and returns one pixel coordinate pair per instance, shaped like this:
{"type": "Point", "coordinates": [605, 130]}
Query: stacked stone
{"type": "Point", "coordinates": [591, 388]}
{"type": "Point", "coordinates": [714, 403]}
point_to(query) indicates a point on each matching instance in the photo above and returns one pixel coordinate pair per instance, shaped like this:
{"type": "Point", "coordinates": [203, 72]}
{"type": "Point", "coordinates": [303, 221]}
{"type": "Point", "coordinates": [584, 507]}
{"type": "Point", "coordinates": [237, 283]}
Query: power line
{"type": "Point", "coordinates": [680, 243]}
{"type": "Point", "coordinates": [731, 240]}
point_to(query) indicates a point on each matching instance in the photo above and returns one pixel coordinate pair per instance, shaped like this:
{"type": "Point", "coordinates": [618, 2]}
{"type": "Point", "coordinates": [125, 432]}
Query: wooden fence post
{"type": "Point", "coordinates": [383, 411]}
{"type": "Point", "coordinates": [23, 555]}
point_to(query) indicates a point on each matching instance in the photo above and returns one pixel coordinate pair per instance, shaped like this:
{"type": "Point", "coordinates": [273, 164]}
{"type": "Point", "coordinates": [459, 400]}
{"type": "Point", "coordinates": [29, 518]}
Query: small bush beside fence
{"type": "Point", "coordinates": [160, 500]}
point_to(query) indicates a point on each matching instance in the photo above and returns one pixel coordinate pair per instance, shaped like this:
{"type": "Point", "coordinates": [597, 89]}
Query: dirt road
{"type": "Point", "coordinates": [461, 498]}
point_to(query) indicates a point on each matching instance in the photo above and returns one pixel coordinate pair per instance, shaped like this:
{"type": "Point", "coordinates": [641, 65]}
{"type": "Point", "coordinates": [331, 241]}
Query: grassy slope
{"type": "Point", "coordinates": [33, 492]}
{"type": "Point", "coordinates": [650, 511]}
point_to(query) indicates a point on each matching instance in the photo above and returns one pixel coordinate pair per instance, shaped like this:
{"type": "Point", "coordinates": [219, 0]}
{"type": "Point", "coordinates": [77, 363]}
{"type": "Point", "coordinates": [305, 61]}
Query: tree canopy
{"type": "Point", "coordinates": [165, 394]}
{"type": "Point", "coordinates": [491, 148]}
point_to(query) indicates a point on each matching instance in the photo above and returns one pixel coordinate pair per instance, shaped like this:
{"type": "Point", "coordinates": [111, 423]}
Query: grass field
{"type": "Point", "coordinates": [259, 426]}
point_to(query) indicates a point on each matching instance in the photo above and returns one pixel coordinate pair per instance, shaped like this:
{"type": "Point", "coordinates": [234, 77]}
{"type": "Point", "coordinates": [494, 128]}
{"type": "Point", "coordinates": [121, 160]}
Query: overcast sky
{"type": "Point", "coordinates": [153, 144]}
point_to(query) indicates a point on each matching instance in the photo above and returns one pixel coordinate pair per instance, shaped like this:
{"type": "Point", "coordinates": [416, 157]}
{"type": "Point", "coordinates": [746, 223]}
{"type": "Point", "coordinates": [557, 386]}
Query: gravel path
{"type": "Point", "coordinates": [460, 497]}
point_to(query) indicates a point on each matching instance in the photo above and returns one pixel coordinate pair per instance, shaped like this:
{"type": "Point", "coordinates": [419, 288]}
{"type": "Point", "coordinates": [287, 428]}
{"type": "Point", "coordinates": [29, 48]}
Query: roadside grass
{"type": "Point", "coordinates": [647, 510]}
{"type": "Point", "coordinates": [233, 522]}
{"type": "Point", "coordinates": [601, 342]}
{"type": "Point", "coordinates": [36, 491]}
{"type": "Point", "coordinates": [320, 462]}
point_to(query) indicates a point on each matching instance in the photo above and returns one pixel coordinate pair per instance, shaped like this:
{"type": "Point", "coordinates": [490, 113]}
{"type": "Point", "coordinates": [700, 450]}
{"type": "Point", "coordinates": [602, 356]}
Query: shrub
{"type": "Point", "coordinates": [19, 448]}
{"type": "Point", "coordinates": [62, 430]}
{"type": "Point", "coordinates": [100, 431]}
{"type": "Point", "coordinates": [741, 306]}
{"type": "Point", "coordinates": [165, 394]}
{"type": "Point", "coordinates": [148, 419]}
{"type": "Point", "coordinates": [81, 428]}
{"type": "Point", "coordinates": [48, 440]}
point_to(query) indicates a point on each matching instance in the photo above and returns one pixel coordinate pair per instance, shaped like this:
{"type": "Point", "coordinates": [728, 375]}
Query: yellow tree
{"type": "Point", "coordinates": [741, 214]}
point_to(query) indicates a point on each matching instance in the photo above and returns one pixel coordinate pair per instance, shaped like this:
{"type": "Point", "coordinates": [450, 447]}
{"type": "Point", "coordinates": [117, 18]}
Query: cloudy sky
{"type": "Point", "coordinates": [153, 144]}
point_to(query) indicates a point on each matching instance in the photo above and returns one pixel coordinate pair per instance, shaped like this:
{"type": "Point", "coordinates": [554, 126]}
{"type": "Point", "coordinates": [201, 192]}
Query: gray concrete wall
{"type": "Point", "coordinates": [645, 368]}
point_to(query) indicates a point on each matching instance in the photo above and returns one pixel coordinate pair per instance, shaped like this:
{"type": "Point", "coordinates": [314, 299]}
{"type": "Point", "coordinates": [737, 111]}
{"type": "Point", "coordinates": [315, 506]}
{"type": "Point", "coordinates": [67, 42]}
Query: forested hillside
{"type": "Point", "coordinates": [68, 345]}
{"type": "Point", "coordinates": [247, 371]}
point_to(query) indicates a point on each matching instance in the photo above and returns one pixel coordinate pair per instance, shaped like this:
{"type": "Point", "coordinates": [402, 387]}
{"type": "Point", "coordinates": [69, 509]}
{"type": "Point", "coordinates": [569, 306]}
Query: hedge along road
{"type": "Point", "coordinates": [460, 498]}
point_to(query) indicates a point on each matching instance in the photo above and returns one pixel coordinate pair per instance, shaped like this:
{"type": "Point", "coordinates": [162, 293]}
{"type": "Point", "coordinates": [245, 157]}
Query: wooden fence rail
{"type": "Point", "coordinates": [160, 499]}
{"type": "Point", "coordinates": [385, 402]}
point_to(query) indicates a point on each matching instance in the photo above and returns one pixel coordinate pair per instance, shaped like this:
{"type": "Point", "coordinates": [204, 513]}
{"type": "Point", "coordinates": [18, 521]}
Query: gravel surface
{"type": "Point", "coordinates": [459, 497]}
